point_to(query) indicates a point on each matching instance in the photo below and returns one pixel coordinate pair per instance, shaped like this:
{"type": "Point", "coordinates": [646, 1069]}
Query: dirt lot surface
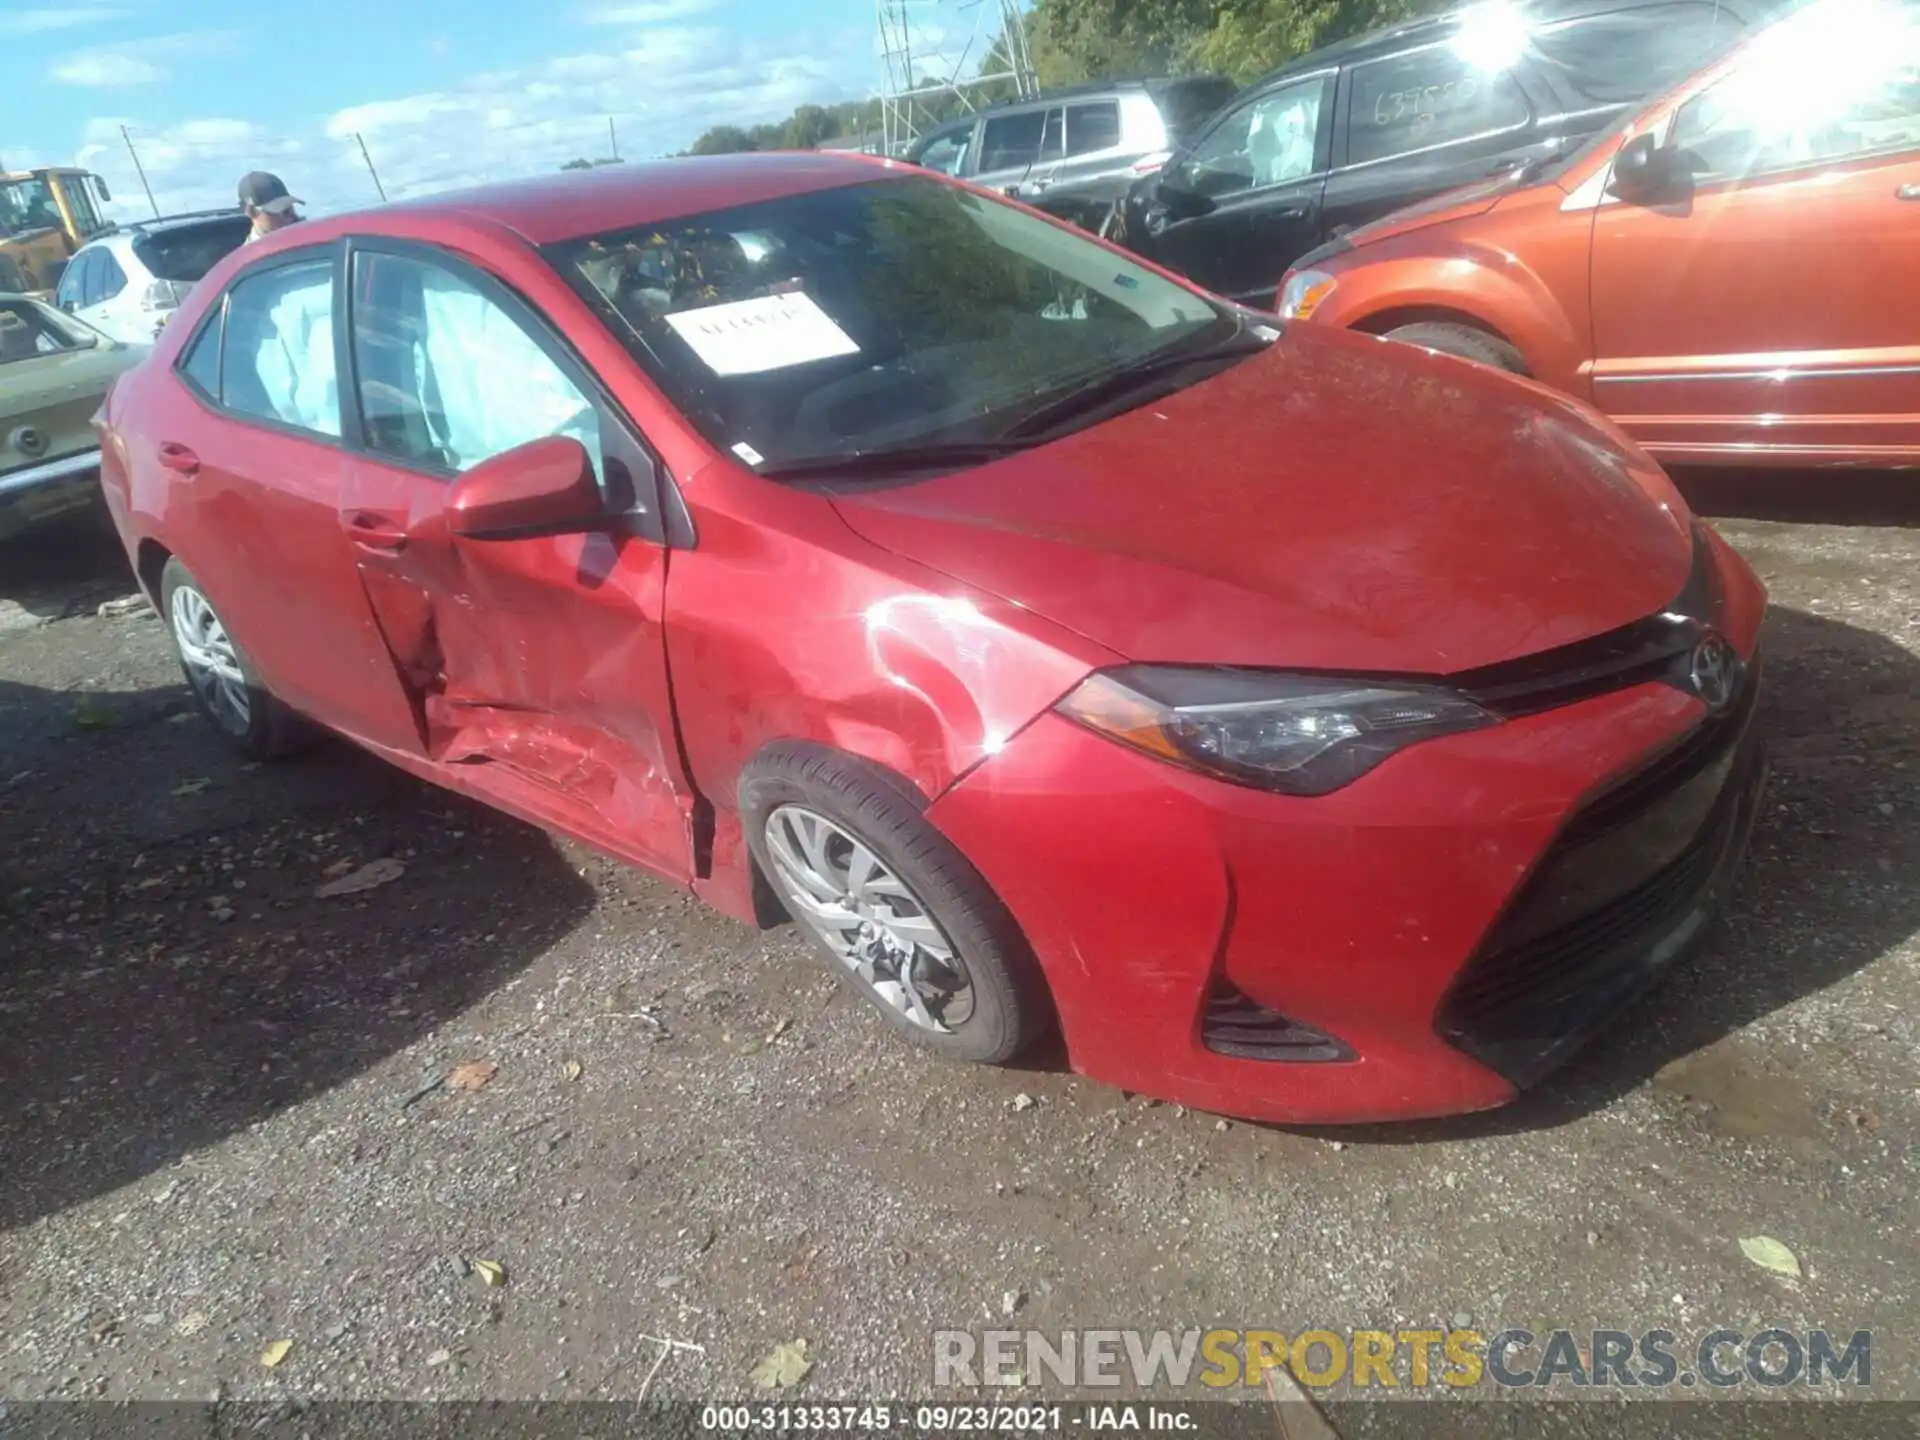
{"type": "Point", "coordinates": [224, 1120]}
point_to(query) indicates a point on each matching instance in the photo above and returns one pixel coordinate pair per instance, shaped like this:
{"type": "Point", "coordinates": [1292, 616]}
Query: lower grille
{"type": "Point", "coordinates": [1580, 941]}
{"type": "Point", "coordinates": [1234, 1025]}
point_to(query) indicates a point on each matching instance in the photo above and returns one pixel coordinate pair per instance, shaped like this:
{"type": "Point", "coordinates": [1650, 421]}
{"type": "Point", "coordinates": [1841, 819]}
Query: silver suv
{"type": "Point", "coordinates": [1078, 150]}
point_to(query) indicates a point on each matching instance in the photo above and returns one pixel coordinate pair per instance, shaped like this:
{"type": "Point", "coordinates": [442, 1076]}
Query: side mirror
{"type": "Point", "coordinates": [1643, 171]}
{"type": "Point", "coordinates": [106, 195]}
{"type": "Point", "coordinates": [1182, 201]}
{"type": "Point", "coordinates": [545, 487]}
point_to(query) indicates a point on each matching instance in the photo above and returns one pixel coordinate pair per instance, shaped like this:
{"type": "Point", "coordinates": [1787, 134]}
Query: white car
{"type": "Point", "coordinates": [127, 283]}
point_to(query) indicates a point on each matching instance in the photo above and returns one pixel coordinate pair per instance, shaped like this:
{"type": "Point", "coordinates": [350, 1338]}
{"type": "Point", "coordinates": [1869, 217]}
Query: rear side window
{"type": "Point", "coordinates": [201, 363]}
{"type": "Point", "coordinates": [946, 153]}
{"type": "Point", "coordinates": [1425, 98]}
{"type": "Point", "coordinates": [1093, 127]}
{"type": "Point", "coordinates": [1623, 56]}
{"type": "Point", "coordinates": [276, 360]}
{"type": "Point", "coordinates": [1010, 142]}
{"type": "Point", "coordinates": [187, 252]}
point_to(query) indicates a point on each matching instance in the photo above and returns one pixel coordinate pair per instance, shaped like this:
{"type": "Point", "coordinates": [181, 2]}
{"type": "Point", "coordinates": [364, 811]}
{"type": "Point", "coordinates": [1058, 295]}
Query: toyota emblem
{"type": "Point", "coordinates": [1713, 672]}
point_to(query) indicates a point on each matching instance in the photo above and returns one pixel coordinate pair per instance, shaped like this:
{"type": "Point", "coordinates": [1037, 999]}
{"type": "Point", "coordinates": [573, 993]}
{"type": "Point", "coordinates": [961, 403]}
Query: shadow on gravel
{"type": "Point", "coordinates": [168, 976]}
{"type": "Point", "coordinates": [60, 570]}
{"type": "Point", "coordinates": [1831, 882]}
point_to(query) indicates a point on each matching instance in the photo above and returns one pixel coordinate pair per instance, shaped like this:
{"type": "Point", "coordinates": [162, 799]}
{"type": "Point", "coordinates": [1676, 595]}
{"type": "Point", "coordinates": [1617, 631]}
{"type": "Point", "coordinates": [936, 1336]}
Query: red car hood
{"type": "Point", "coordinates": [1332, 504]}
{"type": "Point", "coordinates": [1457, 204]}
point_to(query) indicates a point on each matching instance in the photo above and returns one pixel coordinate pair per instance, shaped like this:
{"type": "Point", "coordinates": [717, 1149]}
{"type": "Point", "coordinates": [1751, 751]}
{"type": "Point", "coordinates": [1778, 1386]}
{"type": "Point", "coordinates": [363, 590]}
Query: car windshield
{"type": "Point", "coordinates": [905, 312]}
{"type": "Point", "coordinates": [27, 330]}
{"type": "Point", "coordinates": [187, 252]}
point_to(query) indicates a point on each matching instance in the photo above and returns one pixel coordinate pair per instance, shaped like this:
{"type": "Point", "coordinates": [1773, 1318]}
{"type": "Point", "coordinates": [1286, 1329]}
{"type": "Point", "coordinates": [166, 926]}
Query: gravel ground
{"type": "Point", "coordinates": [225, 1122]}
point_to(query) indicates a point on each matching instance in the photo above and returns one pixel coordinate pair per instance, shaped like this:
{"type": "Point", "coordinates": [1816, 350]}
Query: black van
{"type": "Point", "coordinates": [1352, 132]}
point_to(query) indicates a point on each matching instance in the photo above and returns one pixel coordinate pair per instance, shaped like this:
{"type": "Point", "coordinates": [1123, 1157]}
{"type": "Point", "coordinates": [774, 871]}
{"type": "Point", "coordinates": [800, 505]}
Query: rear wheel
{"type": "Point", "coordinates": [908, 923]}
{"type": "Point", "coordinates": [1463, 341]}
{"type": "Point", "coordinates": [222, 679]}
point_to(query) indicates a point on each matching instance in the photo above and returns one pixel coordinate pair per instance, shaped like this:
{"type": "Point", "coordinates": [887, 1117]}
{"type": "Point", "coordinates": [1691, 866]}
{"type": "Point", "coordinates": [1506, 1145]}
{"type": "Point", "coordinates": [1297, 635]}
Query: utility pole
{"type": "Point", "coordinates": [139, 171]}
{"type": "Point", "coordinates": [370, 170]}
{"type": "Point", "coordinates": [613, 140]}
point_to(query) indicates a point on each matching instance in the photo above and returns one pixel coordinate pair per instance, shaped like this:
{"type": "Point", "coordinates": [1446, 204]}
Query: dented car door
{"type": "Point", "coordinates": [537, 665]}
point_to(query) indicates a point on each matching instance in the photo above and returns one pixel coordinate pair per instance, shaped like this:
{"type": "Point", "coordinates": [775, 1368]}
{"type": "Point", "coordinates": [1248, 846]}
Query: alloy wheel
{"type": "Point", "coordinates": [868, 918]}
{"type": "Point", "coordinates": [212, 663]}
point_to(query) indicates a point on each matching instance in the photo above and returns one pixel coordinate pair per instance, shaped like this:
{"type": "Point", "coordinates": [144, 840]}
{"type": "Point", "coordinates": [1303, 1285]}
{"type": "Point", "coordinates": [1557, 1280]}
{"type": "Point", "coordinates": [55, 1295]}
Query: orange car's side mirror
{"type": "Point", "coordinates": [545, 487]}
{"type": "Point", "coordinates": [1644, 171]}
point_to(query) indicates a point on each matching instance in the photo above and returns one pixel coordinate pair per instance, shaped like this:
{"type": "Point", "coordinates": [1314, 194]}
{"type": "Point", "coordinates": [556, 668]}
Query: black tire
{"type": "Point", "coordinates": [1463, 341]}
{"type": "Point", "coordinates": [271, 730]}
{"type": "Point", "coordinates": [1011, 1006]}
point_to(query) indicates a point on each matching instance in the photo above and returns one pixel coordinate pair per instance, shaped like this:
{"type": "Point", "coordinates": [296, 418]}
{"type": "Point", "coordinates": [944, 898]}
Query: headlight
{"type": "Point", "coordinates": [1299, 734]}
{"type": "Point", "coordinates": [1303, 292]}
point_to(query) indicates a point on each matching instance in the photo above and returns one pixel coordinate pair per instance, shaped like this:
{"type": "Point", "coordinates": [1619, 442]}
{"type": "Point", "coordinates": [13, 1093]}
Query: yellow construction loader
{"type": "Point", "coordinates": [46, 215]}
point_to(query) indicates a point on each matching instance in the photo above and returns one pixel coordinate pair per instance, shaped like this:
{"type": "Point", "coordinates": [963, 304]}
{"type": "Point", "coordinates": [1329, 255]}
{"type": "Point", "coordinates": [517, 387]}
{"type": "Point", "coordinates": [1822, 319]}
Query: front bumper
{"type": "Point", "coordinates": [1388, 940]}
{"type": "Point", "coordinates": [48, 490]}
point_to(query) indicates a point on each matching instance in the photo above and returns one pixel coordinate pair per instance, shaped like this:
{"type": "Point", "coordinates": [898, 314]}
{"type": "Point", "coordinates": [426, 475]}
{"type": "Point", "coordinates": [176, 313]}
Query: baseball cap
{"type": "Point", "coordinates": [261, 191]}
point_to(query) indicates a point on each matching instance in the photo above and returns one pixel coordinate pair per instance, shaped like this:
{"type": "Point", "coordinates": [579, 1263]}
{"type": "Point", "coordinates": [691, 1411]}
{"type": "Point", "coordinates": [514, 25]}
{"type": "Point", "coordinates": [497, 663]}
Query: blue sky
{"type": "Point", "coordinates": [444, 92]}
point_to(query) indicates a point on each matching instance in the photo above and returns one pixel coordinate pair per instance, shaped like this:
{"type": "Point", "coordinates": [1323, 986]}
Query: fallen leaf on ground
{"type": "Point", "coordinates": [1024, 1101]}
{"type": "Point", "coordinates": [472, 1075]}
{"type": "Point", "coordinates": [337, 869]}
{"type": "Point", "coordinates": [786, 1367]}
{"type": "Point", "coordinates": [1861, 1119]}
{"type": "Point", "coordinates": [191, 1323]}
{"type": "Point", "coordinates": [275, 1353]}
{"type": "Point", "coordinates": [1769, 1254]}
{"type": "Point", "coordinates": [128, 605]}
{"type": "Point", "coordinates": [572, 1070]}
{"type": "Point", "coordinates": [367, 877]}
{"type": "Point", "coordinates": [440, 1357]}
{"type": "Point", "coordinates": [491, 1272]}
{"type": "Point", "coordinates": [193, 786]}
{"type": "Point", "coordinates": [88, 718]}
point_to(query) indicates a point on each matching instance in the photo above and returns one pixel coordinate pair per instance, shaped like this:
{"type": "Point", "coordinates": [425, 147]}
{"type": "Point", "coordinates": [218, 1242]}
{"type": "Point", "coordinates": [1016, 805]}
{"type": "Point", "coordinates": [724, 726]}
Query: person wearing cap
{"type": "Point", "coordinates": [265, 201]}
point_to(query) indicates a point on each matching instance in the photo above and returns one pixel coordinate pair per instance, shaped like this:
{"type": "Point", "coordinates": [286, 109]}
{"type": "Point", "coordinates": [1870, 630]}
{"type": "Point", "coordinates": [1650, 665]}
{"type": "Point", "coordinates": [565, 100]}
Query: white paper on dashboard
{"type": "Point", "coordinates": [767, 333]}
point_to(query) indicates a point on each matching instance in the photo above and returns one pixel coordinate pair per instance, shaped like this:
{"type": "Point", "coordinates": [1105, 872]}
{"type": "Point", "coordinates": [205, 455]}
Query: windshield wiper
{"type": "Point", "coordinates": [901, 459]}
{"type": "Point", "coordinates": [1109, 385]}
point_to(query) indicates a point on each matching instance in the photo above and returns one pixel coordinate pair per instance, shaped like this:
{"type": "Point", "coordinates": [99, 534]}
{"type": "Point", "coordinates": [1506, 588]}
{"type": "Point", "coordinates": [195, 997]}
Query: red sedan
{"type": "Point", "coordinates": [1312, 728]}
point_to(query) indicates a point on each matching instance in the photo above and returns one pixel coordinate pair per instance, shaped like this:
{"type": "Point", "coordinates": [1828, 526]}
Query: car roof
{"type": "Point", "coordinates": [136, 229]}
{"type": "Point", "coordinates": [566, 204]}
{"type": "Point", "coordinates": [1392, 39]}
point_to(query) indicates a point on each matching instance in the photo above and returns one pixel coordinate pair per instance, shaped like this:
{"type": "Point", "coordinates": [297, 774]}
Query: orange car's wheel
{"type": "Point", "coordinates": [222, 679]}
{"type": "Point", "coordinates": [1463, 341]}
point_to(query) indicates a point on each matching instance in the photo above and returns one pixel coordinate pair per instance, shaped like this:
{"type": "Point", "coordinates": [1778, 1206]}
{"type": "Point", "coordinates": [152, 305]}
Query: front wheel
{"type": "Point", "coordinates": [1463, 341]}
{"type": "Point", "coordinates": [223, 680]}
{"type": "Point", "coordinates": [908, 923]}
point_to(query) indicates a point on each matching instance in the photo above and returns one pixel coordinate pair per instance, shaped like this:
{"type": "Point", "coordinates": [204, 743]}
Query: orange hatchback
{"type": "Point", "coordinates": [1732, 275]}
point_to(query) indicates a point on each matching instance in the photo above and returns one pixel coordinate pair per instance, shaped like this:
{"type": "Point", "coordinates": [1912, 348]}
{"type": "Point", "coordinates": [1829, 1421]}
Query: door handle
{"type": "Point", "coordinates": [376, 532]}
{"type": "Point", "coordinates": [1907, 192]}
{"type": "Point", "coordinates": [179, 458]}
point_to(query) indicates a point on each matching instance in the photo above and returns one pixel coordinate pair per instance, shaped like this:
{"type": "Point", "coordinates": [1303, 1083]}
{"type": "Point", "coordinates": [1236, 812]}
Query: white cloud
{"type": "Point", "coordinates": [647, 12]}
{"type": "Point", "coordinates": [139, 62]}
{"type": "Point", "coordinates": [67, 17]}
{"type": "Point", "coordinates": [106, 68]}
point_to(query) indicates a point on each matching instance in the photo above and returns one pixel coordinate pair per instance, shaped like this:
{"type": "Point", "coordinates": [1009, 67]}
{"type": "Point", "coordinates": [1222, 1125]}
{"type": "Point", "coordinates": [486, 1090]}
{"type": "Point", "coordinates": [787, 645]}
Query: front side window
{"type": "Point", "coordinates": [900, 312]}
{"type": "Point", "coordinates": [27, 205]}
{"type": "Point", "coordinates": [447, 377]}
{"type": "Point", "coordinates": [1835, 81]}
{"type": "Point", "coordinates": [73, 281]}
{"type": "Point", "coordinates": [277, 360]}
{"type": "Point", "coordinates": [86, 219]}
{"type": "Point", "coordinates": [1012, 142]}
{"type": "Point", "coordinates": [1093, 127]}
{"type": "Point", "coordinates": [1268, 141]}
{"type": "Point", "coordinates": [1616, 58]}
{"type": "Point", "coordinates": [1426, 98]}
{"type": "Point", "coordinates": [947, 153]}
{"type": "Point", "coordinates": [27, 330]}
{"type": "Point", "coordinates": [108, 278]}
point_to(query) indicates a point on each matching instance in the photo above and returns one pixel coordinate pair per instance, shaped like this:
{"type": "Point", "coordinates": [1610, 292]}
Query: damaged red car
{"type": "Point", "coordinates": [1311, 729]}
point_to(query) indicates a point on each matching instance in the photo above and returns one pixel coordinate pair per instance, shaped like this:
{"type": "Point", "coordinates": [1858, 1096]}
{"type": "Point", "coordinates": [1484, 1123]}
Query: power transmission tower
{"type": "Point", "coordinates": [909, 84]}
